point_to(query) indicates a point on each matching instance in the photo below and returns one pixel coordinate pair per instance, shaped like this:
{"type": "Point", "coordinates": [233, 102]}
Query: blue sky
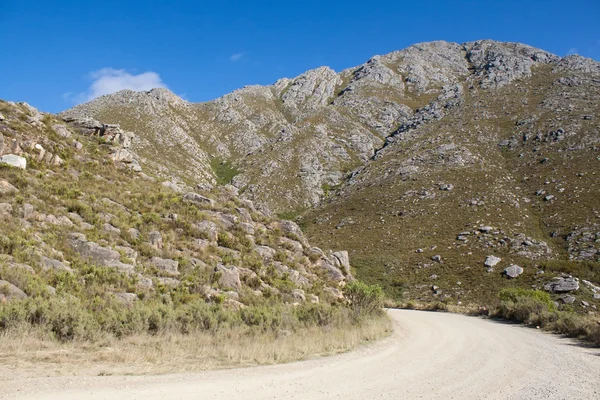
{"type": "Point", "coordinates": [54, 54]}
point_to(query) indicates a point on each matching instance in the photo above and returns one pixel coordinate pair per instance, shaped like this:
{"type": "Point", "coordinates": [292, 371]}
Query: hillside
{"type": "Point", "coordinates": [96, 252]}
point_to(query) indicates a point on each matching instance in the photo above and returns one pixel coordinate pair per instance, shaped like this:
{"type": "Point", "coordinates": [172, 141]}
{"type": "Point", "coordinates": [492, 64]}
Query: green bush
{"type": "Point", "coordinates": [519, 294]}
{"type": "Point", "coordinates": [364, 299]}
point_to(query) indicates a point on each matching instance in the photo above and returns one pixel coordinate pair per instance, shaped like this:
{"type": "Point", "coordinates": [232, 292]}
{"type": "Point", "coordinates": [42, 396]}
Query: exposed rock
{"type": "Point", "coordinates": [344, 262]}
{"type": "Point", "coordinates": [209, 230]}
{"type": "Point", "coordinates": [167, 265]}
{"type": "Point", "coordinates": [127, 299]}
{"type": "Point", "coordinates": [197, 199]}
{"type": "Point", "coordinates": [156, 239]}
{"type": "Point", "coordinates": [228, 277]}
{"type": "Point", "coordinates": [562, 284]}
{"type": "Point", "coordinates": [567, 299]}
{"type": "Point", "coordinates": [61, 130]}
{"type": "Point", "coordinates": [513, 271]}
{"type": "Point", "coordinates": [169, 282]}
{"type": "Point", "coordinates": [111, 230]}
{"type": "Point", "coordinates": [92, 251]}
{"type": "Point", "coordinates": [50, 264]}
{"type": "Point", "coordinates": [8, 292]}
{"type": "Point", "coordinates": [5, 209]}
{"type": "Point", "coordinates": [134, 233]}
{"type": "Point", "coordinates": [14, 161]}
{"type": "Point", "coordinates": [298, 295]}
{"type": "Point", "coordinates": [491, 261]}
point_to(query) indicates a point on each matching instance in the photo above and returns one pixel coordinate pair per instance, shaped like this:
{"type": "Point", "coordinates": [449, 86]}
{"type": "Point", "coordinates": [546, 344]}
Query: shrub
{"type": "Point", "coordinates": [364, 299]}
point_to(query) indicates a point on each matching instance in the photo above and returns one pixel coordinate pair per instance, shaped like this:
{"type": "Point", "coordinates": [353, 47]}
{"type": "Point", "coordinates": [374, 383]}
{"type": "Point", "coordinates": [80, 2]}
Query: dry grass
{"type": "Point", "coordinates": [27, 353]}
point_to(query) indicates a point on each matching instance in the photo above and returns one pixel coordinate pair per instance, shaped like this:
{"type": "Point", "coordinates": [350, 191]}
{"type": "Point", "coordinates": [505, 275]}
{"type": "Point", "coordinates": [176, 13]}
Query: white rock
{"type": "Point", "coordinates": [491, 261]}
{"type": "Point", "coordinates": [14, 161]}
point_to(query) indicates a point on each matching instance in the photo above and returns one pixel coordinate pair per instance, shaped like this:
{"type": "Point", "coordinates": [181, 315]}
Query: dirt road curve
{"type": "Point", "coordinates": [430, 356]}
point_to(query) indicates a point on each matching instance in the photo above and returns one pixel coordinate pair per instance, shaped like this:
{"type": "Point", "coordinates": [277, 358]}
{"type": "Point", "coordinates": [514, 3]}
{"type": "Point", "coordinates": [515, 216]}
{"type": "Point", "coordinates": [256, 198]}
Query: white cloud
{"type": "Point", "coordinates": [236, 57]}
{"type": "Point", "coordinates": [110, 80]}
{"type": "Point", "coordinates": [572, 51]}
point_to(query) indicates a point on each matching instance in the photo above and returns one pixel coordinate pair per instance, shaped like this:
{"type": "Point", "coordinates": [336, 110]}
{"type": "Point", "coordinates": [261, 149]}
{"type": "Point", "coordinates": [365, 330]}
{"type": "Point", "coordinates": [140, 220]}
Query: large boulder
{"type": "Point", "coordinates": [51, 264]}
{"type": "Point", "coordinates": [344, 262]}
{"type": "Point", "coordinates": [209, 230]}
{"type": "Point", "coordinates": [93, 251]}
{"type": "Point", "coordinates": [164, 264]}
{"type": "Point", "coordinates": [196, 198]}
{"type": "Point", "coordinates": [6, 209]}
{"type": "Point", "coordinates": [562, 284]}
{"type": "Point", "coordinates": [8, 291]}
{"type": "Point", "coordinates": [6, 188]}
{"type": "Point", "coordinates": [491, 261]}
{"type": "Point", "coordinates": [14, 161]}
{"type": "Point", "coordinates": [61, 130]}
{"type": "Point", "coordinates": [513, 271]}
{"type": "Point", "coordinates": [228, 277]}
{"type": "Point", "coordinates": [156, 239]}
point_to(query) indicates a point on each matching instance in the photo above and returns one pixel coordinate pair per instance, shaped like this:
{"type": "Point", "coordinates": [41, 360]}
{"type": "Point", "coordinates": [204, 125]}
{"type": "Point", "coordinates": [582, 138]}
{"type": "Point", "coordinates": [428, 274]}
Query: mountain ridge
{"type": "Point", "coordinates": [408, 151]}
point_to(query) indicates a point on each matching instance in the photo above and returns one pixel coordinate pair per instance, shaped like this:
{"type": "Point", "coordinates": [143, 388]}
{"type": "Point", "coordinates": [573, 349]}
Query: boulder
{"type": "Point", "coordinates": [143, 282]}
{"type": "Point", "coordinates": [128, 252]}
{"type": "Point", "coordinates": [169, 282]}
{"type": "Point", "coordinates": [134, 233]}
{"type": "Point", "coordinates": [344, 260]}
{"type": "Point", "coordinates": [266, 253]}
{"type": "Point", "coordinates": [165, 264]}
{"type": "Point", "coordinates": [491, 261]}
{"type": "Point", "coordinates": [332, 272]}
{"type": "Point", "coordinates": [14, 161]}
{"type": "Point", "coordinates": [61, 130]}
{"type": "Point", "coordinates": [111, 230]}
{"type": "Point", "coordinates": [8, 292]}
{"type": "Point", "coordinates": [290, 228]}
{"type": "Point", "coordinates": [567, 299]}
{"type": "Point", "coordinates": [156, 240]}
{"type": "Point", "coordinates": [127, 299]}
{"type": "Point", "coordinates": [122, 155]}
{"type": "Point", "coordinates": [562, 284]}
{"type": "Point", "coordinates": [6, 188]}
{"type": "Point", "coordinates": [196, 198]}
{"type": "Point", "coordinates": [298, 295]}
{"type": "Point", "coordinates": [92, 251]}
{"type": "Point", "coordinates": [5, 209]}
{"type": "Point", "coordinates": [229, 277]}
{"type": "Point", "coordinates": [513, 271]}
{"type": "Point", "coordinates": [51, 264]}
{"type": "Point", "coordinates": [209, 230]}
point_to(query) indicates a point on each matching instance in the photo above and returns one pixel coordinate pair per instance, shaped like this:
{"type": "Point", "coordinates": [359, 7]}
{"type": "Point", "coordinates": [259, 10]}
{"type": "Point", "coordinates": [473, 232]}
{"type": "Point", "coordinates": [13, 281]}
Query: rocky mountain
{"type": "Point", "coordinates": [448, 170]}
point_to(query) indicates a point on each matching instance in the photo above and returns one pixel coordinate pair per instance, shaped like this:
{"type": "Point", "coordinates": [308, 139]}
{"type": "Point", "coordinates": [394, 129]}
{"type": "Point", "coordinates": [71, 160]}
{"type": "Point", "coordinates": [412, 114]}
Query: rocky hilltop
{"type": "Point", "coordinates": [448, 170]}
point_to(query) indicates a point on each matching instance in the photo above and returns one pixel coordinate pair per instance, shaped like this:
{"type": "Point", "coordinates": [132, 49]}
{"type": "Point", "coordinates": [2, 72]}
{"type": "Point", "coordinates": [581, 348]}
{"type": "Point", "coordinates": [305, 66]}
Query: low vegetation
{"type": "Point", "coordinates": [534, 307]}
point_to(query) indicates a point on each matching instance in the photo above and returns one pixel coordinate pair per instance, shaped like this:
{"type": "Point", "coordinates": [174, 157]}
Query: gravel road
{"type": "Point", "coordinates": [429, 356]}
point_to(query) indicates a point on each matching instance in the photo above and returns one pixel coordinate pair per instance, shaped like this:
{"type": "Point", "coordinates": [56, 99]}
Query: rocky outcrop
{"type": "Point", "coordinates": [562, 284]}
